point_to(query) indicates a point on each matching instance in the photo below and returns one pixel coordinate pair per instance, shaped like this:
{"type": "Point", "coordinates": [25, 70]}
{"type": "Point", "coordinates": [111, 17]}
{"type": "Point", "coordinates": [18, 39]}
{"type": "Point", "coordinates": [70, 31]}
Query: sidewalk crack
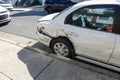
{"type": "Point", "coordinates": [6, 75]}
{"type": "Point", "coordinates": [44, 69]}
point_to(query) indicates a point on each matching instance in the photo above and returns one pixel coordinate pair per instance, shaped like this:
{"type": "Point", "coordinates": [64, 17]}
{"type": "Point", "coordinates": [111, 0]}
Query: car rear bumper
{"type": "Point", "coordinates": [44, 38]}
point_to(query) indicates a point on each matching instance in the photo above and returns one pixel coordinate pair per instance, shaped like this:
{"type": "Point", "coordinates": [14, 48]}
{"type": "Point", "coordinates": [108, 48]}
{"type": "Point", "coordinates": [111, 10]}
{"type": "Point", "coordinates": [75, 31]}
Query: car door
{"type": "Point", "coordinates": [58, 4]}
{"type": "Point", "coordinates": [67, 3]}
{"type": "Point", "coordinates": [91, 30]}
{"type": "Point", "coordinates": [115, 57]}
{"type": "Point", "coordinates": [61, 4]}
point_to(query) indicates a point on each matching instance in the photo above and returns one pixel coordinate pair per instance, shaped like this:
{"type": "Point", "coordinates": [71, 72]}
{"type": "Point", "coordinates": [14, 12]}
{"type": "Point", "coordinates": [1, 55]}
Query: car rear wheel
{"type": "Point", "coordinates": [63, 47]}
{"type": "Point", "coordinates": [50, 10]}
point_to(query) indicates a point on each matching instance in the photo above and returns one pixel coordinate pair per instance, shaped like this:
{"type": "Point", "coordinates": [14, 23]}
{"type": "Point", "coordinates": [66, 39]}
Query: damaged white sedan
{"type": "Point", "coordinates": [90, 29]}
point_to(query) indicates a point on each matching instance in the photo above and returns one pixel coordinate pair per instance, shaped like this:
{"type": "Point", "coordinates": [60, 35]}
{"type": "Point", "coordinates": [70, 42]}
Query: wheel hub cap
{"type": "Point", "coordinates": [61, 49]}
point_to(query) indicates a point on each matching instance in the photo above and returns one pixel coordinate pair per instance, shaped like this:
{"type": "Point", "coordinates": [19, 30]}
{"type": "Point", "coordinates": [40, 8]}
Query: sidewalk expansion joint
{"type": "Point", "coordinates": [44, 69]}
{"type": "Point", "coordinates": [6, 75]}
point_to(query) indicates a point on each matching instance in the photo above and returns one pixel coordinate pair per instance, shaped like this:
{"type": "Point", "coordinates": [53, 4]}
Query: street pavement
{"type": "Point", "coordinates": [19, 60]}
{"type": "Point", "coordinates": [23, 22]}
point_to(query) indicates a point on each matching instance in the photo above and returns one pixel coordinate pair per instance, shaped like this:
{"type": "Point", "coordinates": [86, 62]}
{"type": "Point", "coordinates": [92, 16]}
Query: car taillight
{"type": "Point", "coordinates": [40, 28]}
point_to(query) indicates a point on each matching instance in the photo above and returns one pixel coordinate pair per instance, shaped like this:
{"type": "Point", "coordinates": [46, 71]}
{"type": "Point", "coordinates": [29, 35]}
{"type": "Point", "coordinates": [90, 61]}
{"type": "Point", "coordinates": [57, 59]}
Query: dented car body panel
{"type": "Point", "coordinates": [91, 43]}
{"type": "Point", "coordinates": [97, 43]}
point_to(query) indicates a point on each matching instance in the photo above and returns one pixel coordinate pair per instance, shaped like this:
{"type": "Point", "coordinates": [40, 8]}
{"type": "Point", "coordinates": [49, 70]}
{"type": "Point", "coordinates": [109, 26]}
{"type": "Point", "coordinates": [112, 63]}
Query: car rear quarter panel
{"type": "Point", "coordinates": [53, 29]}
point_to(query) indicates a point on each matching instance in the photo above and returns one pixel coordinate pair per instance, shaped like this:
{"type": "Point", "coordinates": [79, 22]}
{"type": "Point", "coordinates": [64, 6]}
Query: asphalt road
{"type": "Point", "coordinates": [24, 24]}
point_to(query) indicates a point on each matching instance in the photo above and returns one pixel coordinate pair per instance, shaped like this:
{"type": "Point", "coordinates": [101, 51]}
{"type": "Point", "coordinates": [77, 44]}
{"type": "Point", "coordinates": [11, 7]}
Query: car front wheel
{"type": "Point", "coordinates": [62, 47]}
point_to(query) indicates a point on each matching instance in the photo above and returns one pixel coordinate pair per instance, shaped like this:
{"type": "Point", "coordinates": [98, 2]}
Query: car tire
{"type": "Point", "coordinates": [50, 10]}
{"type": "Point", "coordinates": [63, 47]}
{"type": "Point", "coordinates": [3, 24]}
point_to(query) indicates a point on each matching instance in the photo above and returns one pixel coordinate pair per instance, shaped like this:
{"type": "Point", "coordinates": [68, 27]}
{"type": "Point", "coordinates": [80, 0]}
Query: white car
{"type": "Point", "coordinates": [6, 5]}
{"type": "Point", "coordinates": [4, 15]}
{"type": "Point", "coordinates": [89, 29]}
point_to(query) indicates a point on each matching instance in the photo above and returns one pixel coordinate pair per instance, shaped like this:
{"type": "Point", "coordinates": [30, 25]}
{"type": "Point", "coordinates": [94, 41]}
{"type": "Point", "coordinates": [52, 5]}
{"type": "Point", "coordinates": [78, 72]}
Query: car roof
{"type": "Point", "coordinates": [97, 2]}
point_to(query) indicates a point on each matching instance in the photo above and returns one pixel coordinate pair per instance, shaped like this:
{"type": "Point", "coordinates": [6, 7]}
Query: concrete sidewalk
{"type": "Point", "coordinates": [18, 62]}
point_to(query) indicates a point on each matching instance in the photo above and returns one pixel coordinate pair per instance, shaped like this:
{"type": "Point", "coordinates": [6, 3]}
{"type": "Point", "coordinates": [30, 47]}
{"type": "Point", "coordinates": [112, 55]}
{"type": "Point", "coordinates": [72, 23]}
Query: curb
{"type": "Point", "coordinates": [28, 43]}
{"type": "Point", "coordinates": [21, 9]}
{"type": "Point", "coordinates": [33, 8]}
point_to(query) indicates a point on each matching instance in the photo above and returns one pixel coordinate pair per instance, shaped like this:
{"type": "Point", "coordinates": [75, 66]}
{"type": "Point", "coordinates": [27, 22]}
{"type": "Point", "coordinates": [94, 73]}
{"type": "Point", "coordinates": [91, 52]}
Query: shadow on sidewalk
{"type": "Point", "coordinates": [41, 47]}
{"type": "Point", "coordinates": [38, 62]}
{"type": "Point", "coordinates": [35, 62]}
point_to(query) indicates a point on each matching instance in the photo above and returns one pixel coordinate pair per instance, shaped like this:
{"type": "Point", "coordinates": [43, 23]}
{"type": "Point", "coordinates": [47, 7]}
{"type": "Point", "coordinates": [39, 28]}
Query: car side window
{"type": "Point", "coordinates": [94, 17]}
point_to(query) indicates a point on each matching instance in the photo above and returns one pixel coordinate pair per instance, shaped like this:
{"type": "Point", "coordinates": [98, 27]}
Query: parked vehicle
{"type": "Point", "coordinates": [4, 15]}
{"type": "Point", "coordinates": [89, 29]}
{"type": "Point", "coordinates": [6, 5]}
{"type": "Point", "coordinates": [52, 6]}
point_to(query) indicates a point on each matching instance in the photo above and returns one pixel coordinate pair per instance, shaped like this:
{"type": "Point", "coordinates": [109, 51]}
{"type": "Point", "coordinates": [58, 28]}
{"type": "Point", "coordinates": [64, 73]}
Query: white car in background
{"type": "Point", "coordinates": [6, 5]}
{"type": "Point", "coordinates": [4, 15]}
{"type": "Point", "coordinates": [89, 29]}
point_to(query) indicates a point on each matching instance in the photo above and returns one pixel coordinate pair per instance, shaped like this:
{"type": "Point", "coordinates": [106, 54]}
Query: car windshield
{"type": "Point", "coordinates": [62, 12]}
